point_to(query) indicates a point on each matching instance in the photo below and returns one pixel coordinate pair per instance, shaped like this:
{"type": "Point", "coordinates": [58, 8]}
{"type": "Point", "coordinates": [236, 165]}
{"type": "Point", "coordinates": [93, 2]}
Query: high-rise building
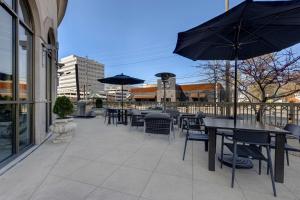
{"type": "Point", "coordinates": [114, 92]}
{"type": "Point", "coordinates": [89, 71]}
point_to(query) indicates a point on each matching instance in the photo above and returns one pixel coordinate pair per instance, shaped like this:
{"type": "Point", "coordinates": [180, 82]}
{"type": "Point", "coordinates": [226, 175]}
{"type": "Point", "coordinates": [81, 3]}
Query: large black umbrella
{"type": "Point", "coordinates": [122, 80]}
{"type": "Point", "coordinates": [250, 29]}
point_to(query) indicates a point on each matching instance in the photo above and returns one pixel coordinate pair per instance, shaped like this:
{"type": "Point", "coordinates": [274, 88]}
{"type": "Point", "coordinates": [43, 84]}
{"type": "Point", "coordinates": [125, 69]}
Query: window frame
{"type": "Point", "coordinates": [16, 102]}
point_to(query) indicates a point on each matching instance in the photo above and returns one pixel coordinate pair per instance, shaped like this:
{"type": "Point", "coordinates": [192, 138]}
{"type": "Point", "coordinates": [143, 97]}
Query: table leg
{"type": "Point", "coordinates": [119, 115]}
{"type": "Point", "coordinates": [211, 148]}
{"type": "Point", "coordinates": [125, 117]}
{"type": "Point", "coordinates": [206, 142]}
{"type": "Point", "coordinates": [109, 118]}
{"type": "Point", "coordinates": [279, 158]}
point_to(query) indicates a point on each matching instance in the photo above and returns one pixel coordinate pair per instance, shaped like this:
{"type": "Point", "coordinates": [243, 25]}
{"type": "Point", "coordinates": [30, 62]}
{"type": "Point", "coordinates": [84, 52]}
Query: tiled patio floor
{"type": "Point", "coordinates": [118, 163]}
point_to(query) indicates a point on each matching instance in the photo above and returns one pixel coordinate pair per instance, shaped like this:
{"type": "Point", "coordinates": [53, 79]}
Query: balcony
{"type": "Point", "coordinates": [118, 162]}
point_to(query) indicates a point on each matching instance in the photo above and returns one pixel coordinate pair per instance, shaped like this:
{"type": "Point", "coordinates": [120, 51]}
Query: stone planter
{"type": "Point", "coordinates": [63, 130]}
{"type": "Point", "coordinates": [99, 111]}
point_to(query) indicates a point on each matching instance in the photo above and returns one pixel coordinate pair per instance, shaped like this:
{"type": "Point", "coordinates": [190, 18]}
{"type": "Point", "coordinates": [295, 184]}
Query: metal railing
{"type": "Point", "coordinates": [277, 114]}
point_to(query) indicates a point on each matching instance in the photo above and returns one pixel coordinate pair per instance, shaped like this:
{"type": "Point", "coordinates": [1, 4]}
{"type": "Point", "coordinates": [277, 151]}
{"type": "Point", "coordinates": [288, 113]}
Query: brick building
{"type": "Point", "coordinates": [191, 92]}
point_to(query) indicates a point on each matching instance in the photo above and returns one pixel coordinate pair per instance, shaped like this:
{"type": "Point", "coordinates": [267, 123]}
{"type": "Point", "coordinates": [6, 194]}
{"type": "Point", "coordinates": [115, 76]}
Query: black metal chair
{"type": "Point", "coordinates": [190, 122]}
{"type": "Point", "coordinates": [224, 133]}
{"type": "Point", "coordinates": [174, 114]}
{"type": "Point", "coordinates": [249, 144]}
{"type": "Point", "coordinates": [112, 115]}
{"type": "Point", "coordinates": [182, 117]}
{"type": "Point", "coordinates": [195, 131]}
{"type": "Point", "coordinates": [136, 119]}
{"type": "Point", "coordinates": [294, 133]}
{"type": "Point", "coordinates": [159, 123]}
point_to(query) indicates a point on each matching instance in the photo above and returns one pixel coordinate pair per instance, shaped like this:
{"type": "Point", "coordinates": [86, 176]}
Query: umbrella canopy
{"type": "Point", "coordinates": [250, 29]}
{"type": "Point", "coordinates": [253, 27]}
{"type": "Point", "coordinates": [121, 79]}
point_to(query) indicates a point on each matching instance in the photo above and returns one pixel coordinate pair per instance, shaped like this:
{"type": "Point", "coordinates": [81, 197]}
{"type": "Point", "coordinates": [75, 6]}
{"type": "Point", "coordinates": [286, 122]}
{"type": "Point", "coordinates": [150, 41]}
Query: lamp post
{"type": "Point", "coordinates": [164, 78]}
{"type": "Point", "coordinates": [226, 5]}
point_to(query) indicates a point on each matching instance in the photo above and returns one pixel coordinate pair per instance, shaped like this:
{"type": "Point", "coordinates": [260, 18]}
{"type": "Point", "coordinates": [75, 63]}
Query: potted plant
{"type": "Point", "coordinates": [63, 126]}
{"type": "Point", "coordinates": [99, 107]}
{"type": "Point", "coordinates": [99, 103]}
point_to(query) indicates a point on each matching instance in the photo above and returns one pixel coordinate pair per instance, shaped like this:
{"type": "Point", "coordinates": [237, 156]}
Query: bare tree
{"type": "Point", "coordinates": [264, 79]}
{"type": "Point", "coordinates": [268, 78]}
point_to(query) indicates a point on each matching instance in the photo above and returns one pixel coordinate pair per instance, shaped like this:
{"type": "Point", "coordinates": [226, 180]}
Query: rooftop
{"type": "Point", "coordinates": [109, 162]}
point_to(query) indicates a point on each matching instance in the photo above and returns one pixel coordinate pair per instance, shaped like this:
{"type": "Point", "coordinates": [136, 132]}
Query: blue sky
{"type": "Point", "coordinates": [135, 37]}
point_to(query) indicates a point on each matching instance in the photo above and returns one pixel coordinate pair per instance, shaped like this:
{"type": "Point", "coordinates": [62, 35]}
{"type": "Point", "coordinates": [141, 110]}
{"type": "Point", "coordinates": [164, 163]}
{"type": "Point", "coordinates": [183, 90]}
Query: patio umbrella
{"type": "Point", "coordinates": [250, 29]}
{"type": "Point", "coordinates": [122, 80]}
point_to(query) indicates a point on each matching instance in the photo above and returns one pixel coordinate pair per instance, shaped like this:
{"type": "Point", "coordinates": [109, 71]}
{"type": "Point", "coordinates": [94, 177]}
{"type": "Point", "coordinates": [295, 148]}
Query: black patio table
{"type": "Point", "coordinates": [212, 124]}
{"type": "Point", "coordinates": [122, 116]}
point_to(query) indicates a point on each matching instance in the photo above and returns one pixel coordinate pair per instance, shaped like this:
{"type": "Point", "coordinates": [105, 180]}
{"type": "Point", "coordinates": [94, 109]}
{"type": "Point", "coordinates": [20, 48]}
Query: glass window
{"type": "Point", "coordinates": [9, 2]}
{"type": "Point", "coordinates": [6, 131]}
{"type": "Point", "coordinates": [24, 125]}
{"type": "Point", "coordinates": [6, 57]}
{"type": "Point", "coordinates": [25, 63]}
{"type": "Point", "coordinates": [23, 13]}
{"type": "Point", "coordinates": [15, 116]}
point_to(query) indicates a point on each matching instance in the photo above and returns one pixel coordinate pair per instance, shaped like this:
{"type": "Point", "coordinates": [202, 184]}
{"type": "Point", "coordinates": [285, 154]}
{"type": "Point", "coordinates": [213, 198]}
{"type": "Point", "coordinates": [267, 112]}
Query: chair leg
{"type": "Point", "coordinates": [185, 143]}
{"type": "Point", "coordinates": [259, 163]}
{"type": "Point", "coordinates": [268, 167]}
{"type": "Point", "coordinates": [287, 157]}
{"type": "Point", "coordinates": [271, 171]}
{"type": "Point", "coordinates": [174, 135]}
{"type": "Point", "coordinates": [259, 167]}
{"type": "Point", "coordinates": [109, 120]}
{"type": "Point", "coordinates": [233, 164]}
{"type": "Point", "coordinates": [222, 150]}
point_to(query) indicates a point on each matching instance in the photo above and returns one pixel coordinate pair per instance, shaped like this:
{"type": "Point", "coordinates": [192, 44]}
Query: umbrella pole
{"type": "Point", "coordinates": [235, 87]}
{"type": "Point", "coordinates": [236, 51]}
{"type": "Point", "coordinates": [164, 96]}
{"type": "Point", "coordinates": [122, 103]}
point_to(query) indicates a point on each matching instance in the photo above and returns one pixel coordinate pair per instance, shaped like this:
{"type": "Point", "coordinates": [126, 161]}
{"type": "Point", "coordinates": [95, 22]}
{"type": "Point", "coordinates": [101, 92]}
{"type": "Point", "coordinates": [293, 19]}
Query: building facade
{"type": "Point", "coordinates": [114, 92]}
{"type": "Point", "coordinates": [174, 92]}
{"type": "Point", "coordinates": [88, 73]}
{"type": "Point", "coordinates": [28, 60]}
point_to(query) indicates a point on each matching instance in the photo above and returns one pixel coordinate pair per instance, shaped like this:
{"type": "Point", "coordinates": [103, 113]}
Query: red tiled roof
{"type": "Point", "coordinates": [143, 90]}
{"type": "Point", "coordinates": [207, 86]}
{"type": "Point", "coordinates": [144, 96]}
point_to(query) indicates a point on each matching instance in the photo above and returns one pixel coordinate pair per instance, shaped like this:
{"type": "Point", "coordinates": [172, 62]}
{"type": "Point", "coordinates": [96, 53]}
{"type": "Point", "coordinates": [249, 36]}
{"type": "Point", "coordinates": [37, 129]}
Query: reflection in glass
{"type": "Point", "coordinates": [24, 125]}
{"type": "Point", "coordinates": [6, 50]}
{"type": "Point", "coordinates": [6, 131]}
{"type": "Point", "coordinates": [23, 13]}
{"type": "Point", "coordinates": [8, 2]}
{"type": "Point", "coordinates": [25, 62]}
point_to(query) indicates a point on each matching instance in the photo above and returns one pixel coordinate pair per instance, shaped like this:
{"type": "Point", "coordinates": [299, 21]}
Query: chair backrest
{"type": "Point", "coordinates": [136, 112]}
{"type": "Point", "coordinates": [158, 123]}
{"type": "Point", "coordinates": [200, 115]}
{"type": "Point", "coordinates": [137, 120]}
{"type": "Point", "coordinates": [252, 137]}
{"type": "Point", "coordinates": [173, 112]}
{"type": "Point", "coordinates": [111, 110]}
{"type": "Point", "coordinates": [229, 117]}
{"type": "Point", "coordinates": [293, 129]}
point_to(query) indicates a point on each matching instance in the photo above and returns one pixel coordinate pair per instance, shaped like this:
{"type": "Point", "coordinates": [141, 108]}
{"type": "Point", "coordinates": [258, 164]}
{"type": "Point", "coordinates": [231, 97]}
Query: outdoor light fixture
{"type": "Point", "coordinates": [164, 78]}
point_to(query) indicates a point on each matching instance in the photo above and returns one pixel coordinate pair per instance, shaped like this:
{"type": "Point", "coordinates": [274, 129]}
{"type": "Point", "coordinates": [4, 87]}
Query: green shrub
{"type": "Point", "coordinates": [99, 103]}
{"type": "Point", "coordinates": [63, 107]}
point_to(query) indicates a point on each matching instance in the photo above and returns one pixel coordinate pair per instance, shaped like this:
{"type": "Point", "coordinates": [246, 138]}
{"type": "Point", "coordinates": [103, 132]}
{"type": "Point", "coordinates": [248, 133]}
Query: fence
{"type": "Point", "coordinates": [277, 114]}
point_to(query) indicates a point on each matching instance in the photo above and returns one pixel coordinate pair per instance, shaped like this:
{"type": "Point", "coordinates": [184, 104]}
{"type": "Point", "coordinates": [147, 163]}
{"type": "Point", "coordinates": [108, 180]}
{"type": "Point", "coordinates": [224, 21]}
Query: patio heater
{"type": "Point", "coordinates": [164, 78]}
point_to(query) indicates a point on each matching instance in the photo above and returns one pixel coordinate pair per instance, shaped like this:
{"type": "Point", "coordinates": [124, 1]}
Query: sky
{"type": "Point", "coordinates": [136, 37]}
